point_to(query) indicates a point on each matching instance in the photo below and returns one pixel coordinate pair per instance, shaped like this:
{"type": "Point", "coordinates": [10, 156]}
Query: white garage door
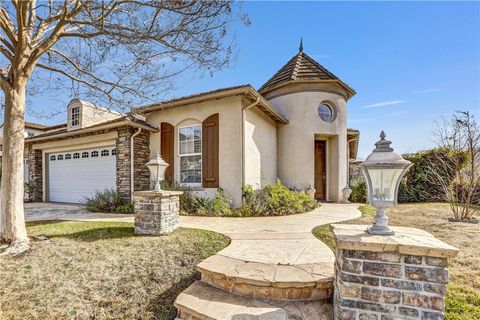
{"type": "Point", "coordinates": [72, 176]}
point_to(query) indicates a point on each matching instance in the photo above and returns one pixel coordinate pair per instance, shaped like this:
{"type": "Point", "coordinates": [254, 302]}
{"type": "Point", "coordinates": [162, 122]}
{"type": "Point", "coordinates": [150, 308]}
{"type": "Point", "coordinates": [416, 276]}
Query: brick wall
{"type": "Point", "coordinates": [389, 285]}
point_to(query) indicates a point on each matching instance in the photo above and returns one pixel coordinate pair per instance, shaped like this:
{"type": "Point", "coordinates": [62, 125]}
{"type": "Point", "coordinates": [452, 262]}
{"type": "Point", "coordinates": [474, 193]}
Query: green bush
{"type": "Point", "coordinates": [125, 208]}
{"type": "Point", "coordinates": [108, 201]}
{"type": "Point", "coordinates": [221, 205]}
{"type": "Point", "coordinates": [359, 191]}
{"type": "Point", "coordinates": [416, 185]}
{"type": "Point", "coordinates": [275, 199]}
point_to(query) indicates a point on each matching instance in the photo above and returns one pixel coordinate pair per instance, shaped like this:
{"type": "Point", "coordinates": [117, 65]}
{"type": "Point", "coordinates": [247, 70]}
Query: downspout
{"type": "Point", "coordinates": [132, 167]}
{"type": "Point", "coordinates": [253, 104]}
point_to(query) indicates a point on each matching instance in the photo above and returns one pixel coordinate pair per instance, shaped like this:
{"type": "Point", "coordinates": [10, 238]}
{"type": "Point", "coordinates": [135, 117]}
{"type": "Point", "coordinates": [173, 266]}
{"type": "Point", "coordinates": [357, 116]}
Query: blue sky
{"type": "Point", "coordinates": [410, 62]}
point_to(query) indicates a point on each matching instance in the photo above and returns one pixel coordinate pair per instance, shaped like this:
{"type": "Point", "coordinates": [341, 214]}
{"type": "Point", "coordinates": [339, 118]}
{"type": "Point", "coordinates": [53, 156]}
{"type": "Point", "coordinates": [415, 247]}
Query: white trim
{"type": "Point", "coordinates": [179, 156]}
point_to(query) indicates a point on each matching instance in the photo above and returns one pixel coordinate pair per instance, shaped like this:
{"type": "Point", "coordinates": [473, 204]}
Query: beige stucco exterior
{"type": "Point", "coordinates": [260, 136]}
{"type": "Point", "coordinates": [230, 133]}
{"type": "Point", "coordinates": [263, 135]}
{"type": "Point", "coordinates": [248, 161]}
{"type": "Point", "coordinates": [90, 114]}
{"type": "Point", "coordinates": [296, 139]}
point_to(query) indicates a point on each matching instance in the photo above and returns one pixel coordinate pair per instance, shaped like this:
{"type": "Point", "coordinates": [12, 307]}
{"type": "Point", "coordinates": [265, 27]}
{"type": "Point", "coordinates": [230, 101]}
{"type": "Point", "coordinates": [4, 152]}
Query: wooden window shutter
{"type": "Point", "coordinates": [210, 146]}
{"type": "Point", "coordinates": [167, 144]}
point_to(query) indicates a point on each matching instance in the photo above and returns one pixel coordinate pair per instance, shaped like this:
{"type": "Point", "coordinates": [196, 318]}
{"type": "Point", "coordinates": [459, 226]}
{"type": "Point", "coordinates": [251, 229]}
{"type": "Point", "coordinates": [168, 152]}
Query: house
{"type": "Point", "coordinates": [293, 128]}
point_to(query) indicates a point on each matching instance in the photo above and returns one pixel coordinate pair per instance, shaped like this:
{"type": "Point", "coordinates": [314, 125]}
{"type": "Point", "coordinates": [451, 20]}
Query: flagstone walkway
{"type": "Point", "coordinates": [274, 268]}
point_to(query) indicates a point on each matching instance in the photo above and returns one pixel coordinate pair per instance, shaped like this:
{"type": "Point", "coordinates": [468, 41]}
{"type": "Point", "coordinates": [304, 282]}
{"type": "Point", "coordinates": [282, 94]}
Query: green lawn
{"type": "Point", "coordinates": [101, 270]}
{"type": "Point", "coordinates": [463, 297]}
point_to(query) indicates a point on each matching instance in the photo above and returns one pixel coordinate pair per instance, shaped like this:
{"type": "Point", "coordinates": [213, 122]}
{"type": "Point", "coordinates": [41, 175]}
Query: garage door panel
{"type": "Point", "coordinates": [71, 180]}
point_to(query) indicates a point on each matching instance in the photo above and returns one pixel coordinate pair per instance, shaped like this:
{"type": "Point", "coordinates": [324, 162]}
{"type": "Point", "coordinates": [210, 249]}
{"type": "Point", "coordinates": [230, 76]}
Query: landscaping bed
{"type": "Point", "coordinates": [101, 270]}
{"type": "Point", "coordinates": [272, 200]}
{"type": "Point", "coordinates": [463, 297]}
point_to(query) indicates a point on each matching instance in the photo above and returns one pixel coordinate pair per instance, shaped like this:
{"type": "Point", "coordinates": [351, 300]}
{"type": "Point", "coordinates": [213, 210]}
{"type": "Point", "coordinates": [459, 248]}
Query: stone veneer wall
{"type": "Point", "coordinates": [141, 157]}
{"type": "Point", "coordinates": [356, 171]}
{"type": "Point", "coordinates": [35, 177]}
{"type": "Point", "coordinates": [388, 285]}
{"type": "Point", "coordinates": [402, 276]}
{"type": "Point", "coordinates": [156, 213]}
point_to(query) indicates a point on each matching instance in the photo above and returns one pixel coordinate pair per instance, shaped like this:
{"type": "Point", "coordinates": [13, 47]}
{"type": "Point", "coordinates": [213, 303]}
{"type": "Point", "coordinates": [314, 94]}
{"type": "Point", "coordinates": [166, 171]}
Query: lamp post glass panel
{"type": "Point", "coordinates": [157, 167]}
{"type": "Point", "coordinates": [383, 169]}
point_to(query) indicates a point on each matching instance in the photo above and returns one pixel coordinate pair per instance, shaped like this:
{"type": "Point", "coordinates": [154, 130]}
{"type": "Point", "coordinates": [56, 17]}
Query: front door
{"type": "Point", "coordinates": [320, 172]}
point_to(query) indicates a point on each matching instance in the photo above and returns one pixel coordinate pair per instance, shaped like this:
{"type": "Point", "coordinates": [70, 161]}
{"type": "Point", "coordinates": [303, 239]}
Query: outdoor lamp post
{"type": "Point", "coordinates": [383, 169]}
{"type": "Point", "coordinates": [157, 167]}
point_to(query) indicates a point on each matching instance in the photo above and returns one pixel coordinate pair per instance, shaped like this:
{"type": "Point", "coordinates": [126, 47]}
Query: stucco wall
{"type": "Point", "coordinates": [230, 138]}
{"type": "Point", "coordinates": [90, 114]}
{"type": "Point", "coordinates": [260, 148]}
{"type": "Point", "coordinates": [296, 140]}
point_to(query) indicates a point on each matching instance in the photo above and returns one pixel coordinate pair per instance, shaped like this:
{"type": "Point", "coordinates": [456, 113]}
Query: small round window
{"type": "Point", "coordinates": [325, 112]}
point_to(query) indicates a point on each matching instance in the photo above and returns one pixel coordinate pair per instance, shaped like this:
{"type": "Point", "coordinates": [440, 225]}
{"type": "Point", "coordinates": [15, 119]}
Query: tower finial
{"type": "Point", "coordinates": [300, 48]}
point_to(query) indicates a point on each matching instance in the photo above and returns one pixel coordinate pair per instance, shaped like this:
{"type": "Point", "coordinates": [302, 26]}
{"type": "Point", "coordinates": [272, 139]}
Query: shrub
{"type": "Point", "coordinates": [417, 185]}
{"type": "Point", "coordinates": [221, 205]}
{"type": "Point", "coordinates": [125, 208]}
{"type": "Point", "coordinates": [359, 191]}
{"type": "Point", "coordinates": [275, 199]}
{"type": "Point", "coordinates": [109, 201]}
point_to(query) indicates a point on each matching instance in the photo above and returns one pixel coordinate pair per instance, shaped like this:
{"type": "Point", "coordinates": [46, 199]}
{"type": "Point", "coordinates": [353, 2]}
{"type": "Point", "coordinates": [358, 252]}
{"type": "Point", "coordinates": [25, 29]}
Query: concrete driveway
{"type": "Point", "coordinates": [42, 211]}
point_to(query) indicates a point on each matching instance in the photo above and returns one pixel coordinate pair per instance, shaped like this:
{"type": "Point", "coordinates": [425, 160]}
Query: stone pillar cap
{"type": "Point", "coordinates": [407, 241]}
{"type": "Point", "coordinates": [163, 193]}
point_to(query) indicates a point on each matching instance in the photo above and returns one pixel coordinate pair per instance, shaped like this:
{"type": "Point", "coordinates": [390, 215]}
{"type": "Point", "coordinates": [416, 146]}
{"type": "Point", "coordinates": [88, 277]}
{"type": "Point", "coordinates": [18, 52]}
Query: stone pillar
{"type": "Point", "coordinates": [35, 176]}
{"type": "Point", "coordinates": [403, 276]}
{"type": "Point", "coordinates": [141, 157]}
{"type": "Point", "coordinates": [156, 213]}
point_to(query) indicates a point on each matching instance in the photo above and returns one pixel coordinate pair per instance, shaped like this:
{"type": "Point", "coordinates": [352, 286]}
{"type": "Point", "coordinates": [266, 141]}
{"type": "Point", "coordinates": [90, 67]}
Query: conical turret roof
{"type": "Point", "coordinates": [302, 67]}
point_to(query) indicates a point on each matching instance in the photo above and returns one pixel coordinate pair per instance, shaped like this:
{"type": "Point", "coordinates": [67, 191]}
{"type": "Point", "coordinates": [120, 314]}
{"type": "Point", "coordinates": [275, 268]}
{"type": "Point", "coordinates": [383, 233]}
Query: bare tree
{"type": "Point", "coordinates": [456, 167]}
{"type": "Point", "coordinates": [120, 52]}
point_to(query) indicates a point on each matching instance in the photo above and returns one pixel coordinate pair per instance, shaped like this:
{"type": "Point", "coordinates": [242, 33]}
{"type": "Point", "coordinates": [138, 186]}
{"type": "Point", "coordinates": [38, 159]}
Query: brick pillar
{"type": "Point", "coordinates": [35, 177]}
{"type": "Point", "coordinates": [156, 213]}
{"type": "Point", "coordinates": [403, 276]}
{"type": "Point", "coordinates": [141, 157]}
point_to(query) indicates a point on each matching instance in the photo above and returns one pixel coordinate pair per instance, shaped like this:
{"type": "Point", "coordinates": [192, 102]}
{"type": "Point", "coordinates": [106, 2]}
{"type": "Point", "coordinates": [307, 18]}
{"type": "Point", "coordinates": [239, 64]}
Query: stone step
{"type": "Point", "coordinates": [201, 301]}
{"type": "Point", "coordinates": [303, 282]}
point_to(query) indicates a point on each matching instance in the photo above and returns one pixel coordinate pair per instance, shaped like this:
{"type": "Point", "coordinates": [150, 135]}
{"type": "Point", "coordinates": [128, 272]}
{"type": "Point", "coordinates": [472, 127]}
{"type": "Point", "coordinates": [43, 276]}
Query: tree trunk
{"type": "Point", "coordinates": [12, 219]}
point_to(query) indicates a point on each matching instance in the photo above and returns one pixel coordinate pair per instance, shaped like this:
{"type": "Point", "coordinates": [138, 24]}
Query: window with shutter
{"type": "Point", "coordinates": [167, 148]}
{"type": "Point", "coordinates": [210, 147]}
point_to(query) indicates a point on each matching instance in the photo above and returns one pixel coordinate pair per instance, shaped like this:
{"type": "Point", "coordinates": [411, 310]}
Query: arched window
{"type": "Point", "coordinates": [94, 154]}
{"type": "Point", "coordinates": [114, 152]}
{"type": "Point", "coordinates": [76, 155]}
{"type": "Point", "coordinates": [85, 154]}
{"type": "Point", "coordinates": [60, 157]}
{"type": "Point", "coordinates": [53, 158]}
{"type": "Point", "coordinates": [68, 156]}
{"type": "Point", "coordinates": [105, 153]}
